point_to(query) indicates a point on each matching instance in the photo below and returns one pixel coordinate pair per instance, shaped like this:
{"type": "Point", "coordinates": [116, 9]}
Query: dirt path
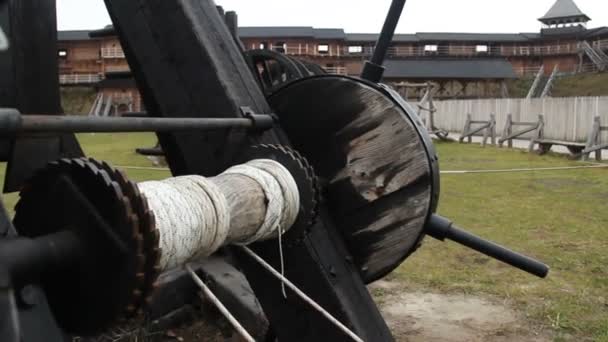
{"type": "Point", "coordinates": [456, 318]}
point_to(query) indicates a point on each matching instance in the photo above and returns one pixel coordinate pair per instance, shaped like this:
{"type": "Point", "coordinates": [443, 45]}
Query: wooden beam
{"type": "Point", "coordinates": [185, 61]}
{"type": "Point", "coordinates": [30, 83]}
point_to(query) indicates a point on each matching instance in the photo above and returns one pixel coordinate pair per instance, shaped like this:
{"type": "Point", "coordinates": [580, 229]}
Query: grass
{"type": "Point", "coordinates": [519, 88]}
{"type": "Point", "coordinates": [116, 149]}
{"type": "Point", "coordinates": [559, 217]}
{"type": "Point", "coordinates": [581, 85]}
{"type": "Point", "coordinates": [595, 84]}
{"type": "Point", "coordinates": [77, 100]}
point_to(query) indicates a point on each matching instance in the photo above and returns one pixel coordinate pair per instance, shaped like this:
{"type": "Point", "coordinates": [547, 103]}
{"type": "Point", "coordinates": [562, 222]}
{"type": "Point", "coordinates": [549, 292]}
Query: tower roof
{"type": "Point", "coordinates": [564, 11]}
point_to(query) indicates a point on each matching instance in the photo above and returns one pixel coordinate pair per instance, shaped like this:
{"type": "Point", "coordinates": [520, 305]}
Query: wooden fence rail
{"type": "Point", "coordinates": [487, 127]}
{"type": "Point", "coordinates": [566, 119]}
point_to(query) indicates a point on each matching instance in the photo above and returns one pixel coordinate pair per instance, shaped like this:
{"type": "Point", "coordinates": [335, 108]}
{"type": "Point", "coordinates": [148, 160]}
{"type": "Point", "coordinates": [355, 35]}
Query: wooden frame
{"type": "Point", "coordinates": [488, 128]}
{"type": "Point", "coordinates": [594, 141]}
{"type": "Point", "coordinates": [537, 127]}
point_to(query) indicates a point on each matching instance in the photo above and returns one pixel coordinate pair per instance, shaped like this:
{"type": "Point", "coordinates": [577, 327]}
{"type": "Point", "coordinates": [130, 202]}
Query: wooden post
{"type": "Point", "coordinates": [29, 82]}
{"type": "Point", "coordinates": [539, 133]}
{"type": "Point", "coordinates": [594, 139]}
{"type": "Point", "coordinates": [466, 129]}
{"type": "Point", "coordinates": [493, 128]}
{"type": "Point", "coordinates": [507, 131]}
{"type": "Point", "coordinates": [490, 131]}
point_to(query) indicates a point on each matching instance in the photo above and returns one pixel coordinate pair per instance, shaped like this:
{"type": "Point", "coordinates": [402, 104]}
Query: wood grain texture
{"type": "Point", "coordinates": [186, 63]}
{"type": "Point", "coordinates": [373, 161]}
{"type": "Point", "coordinates": [29, 82]}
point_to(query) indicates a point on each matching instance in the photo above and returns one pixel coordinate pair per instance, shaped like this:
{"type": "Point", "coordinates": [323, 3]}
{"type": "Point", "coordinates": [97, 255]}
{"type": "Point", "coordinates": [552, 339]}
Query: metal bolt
{"type": "Point", "coordinates": [29, 296]}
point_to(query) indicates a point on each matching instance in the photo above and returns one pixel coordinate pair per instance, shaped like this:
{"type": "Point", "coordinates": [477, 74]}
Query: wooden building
{"type": "Point", "coordinates": [563, 45]}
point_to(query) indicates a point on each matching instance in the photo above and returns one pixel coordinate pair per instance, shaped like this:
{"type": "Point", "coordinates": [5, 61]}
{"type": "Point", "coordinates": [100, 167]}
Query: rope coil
{"type": "Point", "coordinates": [193, 217]}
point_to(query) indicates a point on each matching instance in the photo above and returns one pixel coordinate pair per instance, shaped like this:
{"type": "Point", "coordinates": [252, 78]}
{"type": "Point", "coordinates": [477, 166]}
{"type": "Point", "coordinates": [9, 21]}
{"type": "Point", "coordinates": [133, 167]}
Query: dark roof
{"type": "Point", "coordinates": [564, 9]}
{"type": "Point", "coordinates": [472, 37]}
{"type": "Point", "coordinates": [104, 32]}
{"type": "Point", "coordinates": [372, 37]}
{"type": "Point", "coordinates": [73, 35]}
{"type": "Point", "coordinates": [277, 32]}
{"type": "Point", "coordinates": [433, 69]}
{"type": "Point", "coordinates": [597, 32]}
{"type": "Point", "coordinates": [446, 36]}
{"type": "Point", "coordinates": [337, 34]}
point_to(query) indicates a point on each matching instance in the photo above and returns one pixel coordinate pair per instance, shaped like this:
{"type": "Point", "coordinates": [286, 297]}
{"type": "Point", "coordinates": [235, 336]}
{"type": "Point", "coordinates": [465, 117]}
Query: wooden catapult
{"type": "Point", "coordinates": [305, 191]}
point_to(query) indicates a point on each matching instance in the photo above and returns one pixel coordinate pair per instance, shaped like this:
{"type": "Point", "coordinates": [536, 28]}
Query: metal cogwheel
{"type": "Point", "coordinates": [147, 229]}
{"type": "Point", "coordinates": [306, 179]}
{"type": "Point", "coordinates": [107, 284]}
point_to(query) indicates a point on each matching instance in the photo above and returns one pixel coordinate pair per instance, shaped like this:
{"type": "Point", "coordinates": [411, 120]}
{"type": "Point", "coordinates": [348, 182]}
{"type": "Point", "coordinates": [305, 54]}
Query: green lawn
{"type": "Point", "coordinates": [559, 217]}
{"type": "Point", "coordinates": [116, 149]}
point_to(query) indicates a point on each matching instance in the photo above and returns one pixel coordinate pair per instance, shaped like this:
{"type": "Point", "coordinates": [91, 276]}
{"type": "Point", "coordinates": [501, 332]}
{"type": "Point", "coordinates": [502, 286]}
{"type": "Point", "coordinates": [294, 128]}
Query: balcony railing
{"type": "Point", "coordinates": [336, 70]}
{"type": "Point", "coordinates": [505, 50]}
{"type": "Point", "coordinates": [112, 52]}
{"type": "Point", "coordinates": [79, 78]}
{"type": "Point", "coordinates": [532, 71]}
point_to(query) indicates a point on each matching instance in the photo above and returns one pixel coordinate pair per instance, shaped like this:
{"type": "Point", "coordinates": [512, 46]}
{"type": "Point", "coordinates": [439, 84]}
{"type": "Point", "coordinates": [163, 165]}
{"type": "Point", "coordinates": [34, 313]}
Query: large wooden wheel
{"type": "Point", "coordinates": [375, 158]}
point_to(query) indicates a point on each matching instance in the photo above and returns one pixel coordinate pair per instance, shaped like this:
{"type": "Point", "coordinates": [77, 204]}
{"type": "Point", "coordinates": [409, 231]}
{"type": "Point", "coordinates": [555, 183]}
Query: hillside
{"type": "Point", "coordinates": [77, 100]}
{"type": "Point", "coordinates": [581, 85]}
{"type": "Point", "coordinates": [595, 84]}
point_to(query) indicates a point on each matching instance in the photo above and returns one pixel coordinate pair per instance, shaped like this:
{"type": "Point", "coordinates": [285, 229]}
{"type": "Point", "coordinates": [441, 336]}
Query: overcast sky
{"type": "Point", "coordinates": [365, 16]}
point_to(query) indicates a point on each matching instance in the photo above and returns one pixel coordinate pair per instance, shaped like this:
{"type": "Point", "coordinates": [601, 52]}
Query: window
{"type": "Point", "coordinates": [62, 53]}
{"type": "Point", "coordinates": [481, 49]}
{"type": "Point", "coordinates": [280, 47]}
{"type": "Point", "coordinates": [323, 48]}
{"type": "Point", "coordinates": [431, 48]}
{"type": "Point", "coordinates": [355, 49]}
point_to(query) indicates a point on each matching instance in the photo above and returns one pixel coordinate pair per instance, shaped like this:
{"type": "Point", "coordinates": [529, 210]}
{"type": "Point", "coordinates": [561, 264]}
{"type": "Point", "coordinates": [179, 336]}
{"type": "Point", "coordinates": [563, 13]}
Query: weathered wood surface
{"type": "Point", "coordinates": [186, 62]}
{"type": "Point", "coordinates": [374, 163]}
{"type": "Point", "coordinates": [29, 81]}
{"type": "Point", "coordinates": [567, 119]}
{"type": "Point", "coordinates": [594, 141]}
{"type": "Point", "coordinates": [488, 128]}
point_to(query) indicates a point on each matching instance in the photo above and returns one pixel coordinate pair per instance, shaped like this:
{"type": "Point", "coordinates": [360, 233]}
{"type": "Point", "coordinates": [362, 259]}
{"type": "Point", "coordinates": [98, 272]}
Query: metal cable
{"type": "Point", "coordinates": [218, 304]}
{"type": "Point", "coordinates": [301, 294]}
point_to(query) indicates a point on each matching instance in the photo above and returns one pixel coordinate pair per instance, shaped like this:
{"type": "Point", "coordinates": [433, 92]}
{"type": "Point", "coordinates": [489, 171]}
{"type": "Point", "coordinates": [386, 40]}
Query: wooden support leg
{"type": "Point", "coordinates": [29, 82]}
{"type": "Point", "coordinates": [466, 129]}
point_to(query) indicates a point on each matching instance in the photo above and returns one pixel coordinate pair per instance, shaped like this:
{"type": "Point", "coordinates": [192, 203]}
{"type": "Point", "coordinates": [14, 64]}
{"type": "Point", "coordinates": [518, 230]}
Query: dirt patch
{"type": "Point", "coordinates": [419, 316]}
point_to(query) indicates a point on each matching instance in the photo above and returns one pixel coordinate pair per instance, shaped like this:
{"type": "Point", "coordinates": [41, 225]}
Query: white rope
{"type": "Point", "coordinates": [276, 201]}
{"type": "Point", "coordinates": [193, 217]}
{"type": "Point", "coordinates": [291, 203]}
{"type": "Point", "coordinates": [564, 168]}
{"type": "Point", "coordinates": [218, 304]}
{"type": "Point", "coordinates": [301, 294]}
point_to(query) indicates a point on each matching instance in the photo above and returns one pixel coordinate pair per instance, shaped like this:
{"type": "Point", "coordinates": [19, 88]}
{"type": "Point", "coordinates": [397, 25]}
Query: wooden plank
{"type": "Point", "coordinates": [559, 142]}
{"type": "Point", "coordinates": [30, 83]}
{"type": "Point", "coordinates": [185, 61]}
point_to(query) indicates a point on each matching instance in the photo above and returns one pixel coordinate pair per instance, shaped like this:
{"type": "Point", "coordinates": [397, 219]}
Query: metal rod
{"type": "Point", "coordinates": [373, 70]}
{"type": "Point", "coordinates": [11, 122]}
{"type": "Point", "coordinates": [211, 296]}
{"type": "Point", "coordinates": [441, 228]}
{"type": "Point", "coordinates": [301, 294]}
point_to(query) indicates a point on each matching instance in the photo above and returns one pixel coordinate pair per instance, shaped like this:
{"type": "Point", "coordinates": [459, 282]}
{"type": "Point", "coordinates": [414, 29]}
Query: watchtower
{"type": "Point", "coordinates": [564, 17]}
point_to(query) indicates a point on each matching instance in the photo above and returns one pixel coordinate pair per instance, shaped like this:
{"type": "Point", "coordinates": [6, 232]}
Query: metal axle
{"type": "Point", "coordinates": [441, 228]}
{"type": "Point", "coordinates": [13, 123]}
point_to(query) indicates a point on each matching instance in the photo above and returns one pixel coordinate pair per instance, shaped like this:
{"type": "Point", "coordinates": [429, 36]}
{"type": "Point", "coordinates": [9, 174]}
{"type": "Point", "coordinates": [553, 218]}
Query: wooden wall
{"type": "Point", "coordinates": [566, 119]}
